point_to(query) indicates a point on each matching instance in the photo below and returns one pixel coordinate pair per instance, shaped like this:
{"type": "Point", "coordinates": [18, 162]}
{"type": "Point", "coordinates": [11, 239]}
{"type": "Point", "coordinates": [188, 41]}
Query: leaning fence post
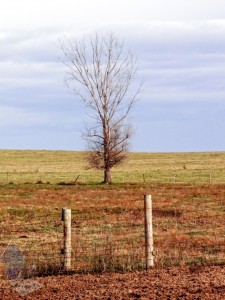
{"type": "Point", "coordinates": [66, 218]}
{"type": "Point", "coordinates": [148, 231]}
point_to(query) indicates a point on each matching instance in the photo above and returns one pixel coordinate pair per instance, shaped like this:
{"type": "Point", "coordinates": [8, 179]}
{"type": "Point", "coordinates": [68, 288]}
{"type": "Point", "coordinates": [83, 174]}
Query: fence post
{"type": "Point", "coordinates": [148, 232]}
{"type": "Point", "coordinates": [143, 177]}
{"type": "Point", "coordinates": [66, 218]}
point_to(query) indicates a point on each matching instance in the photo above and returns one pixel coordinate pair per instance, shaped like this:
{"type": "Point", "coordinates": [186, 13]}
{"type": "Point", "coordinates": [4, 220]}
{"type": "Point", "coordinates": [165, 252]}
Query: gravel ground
{"type": "Point", "coordinates": [174, 283]}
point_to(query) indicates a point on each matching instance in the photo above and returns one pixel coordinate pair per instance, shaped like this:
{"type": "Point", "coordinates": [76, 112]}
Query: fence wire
{"type": "Point", "coordinates": [85, 176]}
{"type": "Point", "coordinates": [112, 238]}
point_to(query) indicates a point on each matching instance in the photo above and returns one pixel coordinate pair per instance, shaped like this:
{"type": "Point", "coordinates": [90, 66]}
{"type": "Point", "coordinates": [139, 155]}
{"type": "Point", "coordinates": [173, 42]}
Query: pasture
{"type": "Point", "coordinates": [188, 193]}
{"type": "Point", "coordinates": [58, 166]}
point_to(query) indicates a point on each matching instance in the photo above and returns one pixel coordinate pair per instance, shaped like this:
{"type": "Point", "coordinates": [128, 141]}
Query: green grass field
{"type": "Point", "coordinates": [57, 166]}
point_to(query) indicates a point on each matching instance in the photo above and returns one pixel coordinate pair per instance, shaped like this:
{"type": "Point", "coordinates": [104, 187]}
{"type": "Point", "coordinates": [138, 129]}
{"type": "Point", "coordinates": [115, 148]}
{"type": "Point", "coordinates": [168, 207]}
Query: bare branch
{"type": "Point", "coordinates": [101, 74]}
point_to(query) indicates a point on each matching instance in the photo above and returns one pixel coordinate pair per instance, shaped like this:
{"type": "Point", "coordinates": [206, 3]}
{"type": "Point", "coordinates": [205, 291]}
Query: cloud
{"type": "Point", "coordinates": [87, 14]}
{"type": "Point", "coordinates": [180, 60]}
{"type": "Point", "coordinates": [182, 63]}
{"type": "Point", "coordinates": [27, 46]}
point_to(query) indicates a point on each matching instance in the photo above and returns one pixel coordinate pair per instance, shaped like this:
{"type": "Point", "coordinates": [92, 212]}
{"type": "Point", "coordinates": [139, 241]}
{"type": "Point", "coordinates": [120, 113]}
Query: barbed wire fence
{"type": "Point", "coordinates": [109, 238]}
{"type": "Point", "coordinates": [38, 238]}
{"type": "Point", "coordinates": [112, 238]}
{"type": "Point", "coordinates": [89, 176]}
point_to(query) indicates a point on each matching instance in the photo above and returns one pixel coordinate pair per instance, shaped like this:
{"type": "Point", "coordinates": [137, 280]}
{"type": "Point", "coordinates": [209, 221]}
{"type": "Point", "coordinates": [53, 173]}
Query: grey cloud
{"type": "Point", "coordinates": [29, 46]}
{"type": "Point", "coordinates": [173, 37]}
{"type": "Point", "coordinates": [182, 62]}
{"type": "Point", "coordinates": [183, 65]}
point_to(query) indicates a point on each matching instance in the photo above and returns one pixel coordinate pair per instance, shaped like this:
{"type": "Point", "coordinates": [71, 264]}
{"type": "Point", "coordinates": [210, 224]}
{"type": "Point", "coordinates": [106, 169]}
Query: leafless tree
{"type": "Point", "coordinates": [102, 73]}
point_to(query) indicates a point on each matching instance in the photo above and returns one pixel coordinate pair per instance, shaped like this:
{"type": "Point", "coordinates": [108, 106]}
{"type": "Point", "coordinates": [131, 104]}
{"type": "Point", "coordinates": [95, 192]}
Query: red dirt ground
{"type": "Point", "coordinates": [202, 283]}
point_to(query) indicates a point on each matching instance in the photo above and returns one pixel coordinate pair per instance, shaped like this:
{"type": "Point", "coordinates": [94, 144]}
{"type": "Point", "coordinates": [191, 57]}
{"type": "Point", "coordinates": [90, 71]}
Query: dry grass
{"type": "Point", "coordinates": [188, 209]}
{"type": "Point", "coordinates": [108, 225]}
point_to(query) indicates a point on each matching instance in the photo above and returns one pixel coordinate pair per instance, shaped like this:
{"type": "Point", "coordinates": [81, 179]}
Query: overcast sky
{"type": "Point", "coordinates": [180, 47]}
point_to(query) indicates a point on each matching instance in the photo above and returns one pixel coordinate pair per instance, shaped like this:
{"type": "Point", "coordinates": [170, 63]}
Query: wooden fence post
{"type": "Point", "coordinates": [66, 218]}
{"type": "Point", "coordinates": [144, 177]}
{"type": "Point", "coordinates": [148, 232]}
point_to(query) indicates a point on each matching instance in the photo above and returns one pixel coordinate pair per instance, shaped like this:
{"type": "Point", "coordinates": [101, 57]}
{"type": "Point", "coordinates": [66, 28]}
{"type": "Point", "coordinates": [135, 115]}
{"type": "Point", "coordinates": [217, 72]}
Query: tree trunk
{"type": "Point", "coordinates": [107, 176]}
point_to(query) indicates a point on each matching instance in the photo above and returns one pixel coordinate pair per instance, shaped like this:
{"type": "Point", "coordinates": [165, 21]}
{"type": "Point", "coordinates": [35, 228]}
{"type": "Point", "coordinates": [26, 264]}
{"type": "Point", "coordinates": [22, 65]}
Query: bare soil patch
{"type": "Point", "coordinates": [206, 283]}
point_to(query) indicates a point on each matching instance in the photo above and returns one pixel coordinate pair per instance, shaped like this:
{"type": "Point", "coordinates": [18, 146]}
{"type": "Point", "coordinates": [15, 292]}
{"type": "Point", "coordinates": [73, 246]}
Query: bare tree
{"type": "Point", "coordinates": [101, 73]}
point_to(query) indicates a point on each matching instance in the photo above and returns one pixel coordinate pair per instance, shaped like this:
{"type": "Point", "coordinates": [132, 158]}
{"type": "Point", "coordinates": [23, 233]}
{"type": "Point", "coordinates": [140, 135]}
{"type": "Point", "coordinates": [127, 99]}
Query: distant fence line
{"type": "Point", "coordinates": [114, 238]}
{"type": "Point", "coordinates": [183, 177]}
